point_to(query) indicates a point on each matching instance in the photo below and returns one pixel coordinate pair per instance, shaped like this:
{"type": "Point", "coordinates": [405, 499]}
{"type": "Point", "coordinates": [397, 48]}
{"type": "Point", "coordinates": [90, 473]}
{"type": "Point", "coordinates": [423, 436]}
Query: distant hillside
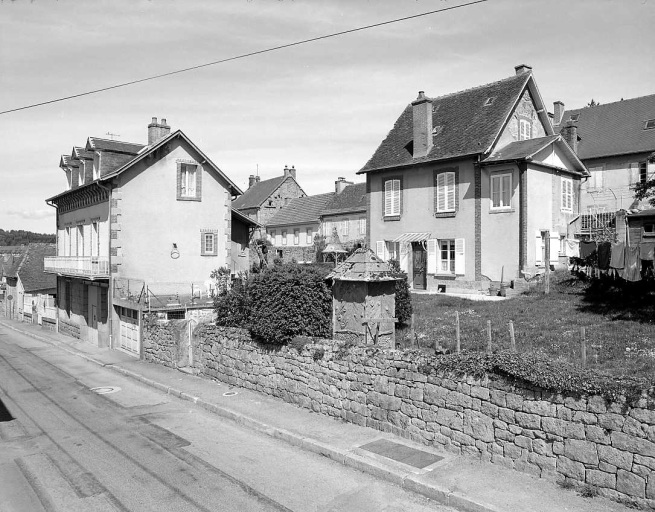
{"type": "Point", "coordinates": [20, 237]}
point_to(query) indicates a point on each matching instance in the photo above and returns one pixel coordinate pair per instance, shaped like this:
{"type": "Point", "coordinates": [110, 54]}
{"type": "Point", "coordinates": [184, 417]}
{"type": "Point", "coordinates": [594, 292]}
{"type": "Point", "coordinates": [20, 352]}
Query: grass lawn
{"type": "Point", "coordinates": [619, 323]}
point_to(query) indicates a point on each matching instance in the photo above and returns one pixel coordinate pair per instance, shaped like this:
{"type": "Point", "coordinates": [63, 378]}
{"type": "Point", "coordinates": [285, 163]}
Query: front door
{"type": "Point", "coordinates": [93, 315]}
{"type": "Point", "coordinates": [419, 266]}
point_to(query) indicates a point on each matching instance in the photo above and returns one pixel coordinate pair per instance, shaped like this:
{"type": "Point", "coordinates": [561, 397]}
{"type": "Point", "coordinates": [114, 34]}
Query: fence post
{"type": "Point", "coordinates": [512, 341]}
{"type": "Point", "coordinates": [547, 262]}
{"type": "Point", "coordinates": [583, 346]}
{"type": "Point", "coordinates": [488, 336]}
{"type": "Point", "coordinates": [459, 348]}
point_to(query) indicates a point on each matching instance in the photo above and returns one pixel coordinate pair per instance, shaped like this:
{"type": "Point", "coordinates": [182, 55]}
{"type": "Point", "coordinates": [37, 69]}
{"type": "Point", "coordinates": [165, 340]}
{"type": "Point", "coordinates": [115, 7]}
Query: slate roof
{"type": "Point", "coordinates": [96, 143]}
{"type": "Point", "coordinates": [351, 199]}
{"type": "Point", "coordinates": [521, 149]}
{"type": "Point", "coordinates": [10, 258]}
{"type": "Point", "coordinates": [30, 268]}
{"type": "Point", "coordinates": [464, 125]}
{"type": "Point", "coordinates": [301, 210]}
{"type": "Point", "coordinates": [363, 265]}
{"type": "Point", "coordinates": [258, 193]}
{"type": "Point", "coordinates": [81, 153]}
{"type": "Point", "coordinates": [614, 128]}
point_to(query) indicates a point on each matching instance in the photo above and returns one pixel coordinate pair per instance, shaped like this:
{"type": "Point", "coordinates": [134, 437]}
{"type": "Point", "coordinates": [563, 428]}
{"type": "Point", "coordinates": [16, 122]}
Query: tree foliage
{"type": "Point", "coordinates": [404, 308]}
{"type": "Point", "coordinates": [20, 237]}
{"type": "Point", "coordinates": [646, 189]}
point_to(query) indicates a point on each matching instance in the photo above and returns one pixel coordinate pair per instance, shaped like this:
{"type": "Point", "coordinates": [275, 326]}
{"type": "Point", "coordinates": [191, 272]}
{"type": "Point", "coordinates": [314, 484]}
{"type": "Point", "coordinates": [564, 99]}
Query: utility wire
{"type": "Point", "coordinates": [242, 56]}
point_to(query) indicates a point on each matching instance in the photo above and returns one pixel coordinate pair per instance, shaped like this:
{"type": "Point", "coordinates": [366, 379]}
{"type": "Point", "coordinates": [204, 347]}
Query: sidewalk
{"type": "Point", "coordinates": [461, 482]}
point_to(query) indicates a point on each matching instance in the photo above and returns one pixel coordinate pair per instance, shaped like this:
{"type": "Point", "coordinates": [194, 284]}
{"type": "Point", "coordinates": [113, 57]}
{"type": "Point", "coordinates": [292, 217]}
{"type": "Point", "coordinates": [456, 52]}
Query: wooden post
{"type": "Point", "coordinates": [459, 348]}
{"type": "Point", "coordinates": [512, 341]}
{"type": "Point", "coordinates": [547, 262]}
{"type": "Point", "coordinates": [583, 346]}
{"type": "Point", "coordinates": [412, 336]}
{"type": "Point", "coordinates": [488, 336]}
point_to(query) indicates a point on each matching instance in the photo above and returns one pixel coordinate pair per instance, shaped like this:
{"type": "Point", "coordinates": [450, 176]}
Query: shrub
{"type": "Point", "coordinates": [289, 300]}
{"type": "Point", "coordinates": [404, 308]}
{"type": "Point", "coordinates": [233, 306]}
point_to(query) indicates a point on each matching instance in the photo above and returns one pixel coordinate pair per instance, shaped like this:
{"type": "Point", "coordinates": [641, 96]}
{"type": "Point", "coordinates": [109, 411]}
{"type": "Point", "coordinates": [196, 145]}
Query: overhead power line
{"type": "Point", "coordinates": [242, 56]}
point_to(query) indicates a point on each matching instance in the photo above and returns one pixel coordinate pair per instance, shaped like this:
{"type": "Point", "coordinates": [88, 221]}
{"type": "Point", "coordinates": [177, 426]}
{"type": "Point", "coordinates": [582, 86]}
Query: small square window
{"type": "Point", "coordinates": [649, 125]}
{"type": "Point", "coordinates": [209, 243]}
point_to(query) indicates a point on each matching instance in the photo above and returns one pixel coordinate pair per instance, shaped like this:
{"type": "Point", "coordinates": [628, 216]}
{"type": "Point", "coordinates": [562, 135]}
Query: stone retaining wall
{"type": "Point", "coordinates": [564, 438]}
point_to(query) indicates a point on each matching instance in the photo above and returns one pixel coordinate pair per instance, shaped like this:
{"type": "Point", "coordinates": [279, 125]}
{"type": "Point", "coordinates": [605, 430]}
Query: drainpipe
{"type": "Point", "coordinates": [49, 203]}
{"type": "Point", "coordinates": [110, 291]}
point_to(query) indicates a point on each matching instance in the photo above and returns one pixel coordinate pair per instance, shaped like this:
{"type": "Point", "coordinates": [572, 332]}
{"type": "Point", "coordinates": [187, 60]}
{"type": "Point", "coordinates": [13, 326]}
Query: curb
{"type": "Point", "coordinates": [348, 458]}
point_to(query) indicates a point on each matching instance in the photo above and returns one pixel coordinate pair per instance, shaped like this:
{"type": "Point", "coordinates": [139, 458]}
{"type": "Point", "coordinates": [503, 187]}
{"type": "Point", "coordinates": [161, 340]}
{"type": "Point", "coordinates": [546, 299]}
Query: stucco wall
{"type": "Point", "coordinates": [352, 220]}
{"type": "Point", "coordinates": [85, 216]}
{"type": "Point", "coordinates": [581, 440]}
{"type": "Point", "coordinates": [524, 110]}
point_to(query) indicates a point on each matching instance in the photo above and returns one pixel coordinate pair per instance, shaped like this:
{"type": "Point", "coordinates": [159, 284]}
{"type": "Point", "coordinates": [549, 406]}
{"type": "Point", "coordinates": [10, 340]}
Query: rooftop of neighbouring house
{"type": "Point", "coordinates": [619, 128]}
{"type": "Point", "coordinates": [255, 196]}
{"type": "Point", "coordinates": [351, 199]}
{"type": "Point", "coordinates": [301, 210]}
{"type": "Point", "coordinates": [29, 268]}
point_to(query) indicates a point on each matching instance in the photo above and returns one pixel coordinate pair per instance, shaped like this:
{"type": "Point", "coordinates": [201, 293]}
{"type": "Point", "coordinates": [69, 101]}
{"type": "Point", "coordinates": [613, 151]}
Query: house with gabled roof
{"type": "Point", "coordinates": [140, 228]}
{"type": "Point", "coordinates": [292, 229]}
{"type": "Point", "coordinates": [262, 200]}
{"type": "Point", "coordinates": [616, 141]}
{"type": "Point", "coordinates": [471, 187]}
{"type": "Point", "coordinates": [346, 213]}
{"type": "Point", "coordinates": [29, 289]}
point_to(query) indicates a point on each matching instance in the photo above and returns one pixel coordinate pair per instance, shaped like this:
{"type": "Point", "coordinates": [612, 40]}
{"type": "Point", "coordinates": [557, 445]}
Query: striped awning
{"type": "Point", "coordinates": [412, 237]}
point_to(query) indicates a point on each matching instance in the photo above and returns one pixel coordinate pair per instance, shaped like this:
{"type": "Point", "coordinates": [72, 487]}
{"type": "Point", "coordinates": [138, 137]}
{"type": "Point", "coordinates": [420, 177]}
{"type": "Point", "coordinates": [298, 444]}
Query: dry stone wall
{"type": "Point", "coordinates": [581, 440]}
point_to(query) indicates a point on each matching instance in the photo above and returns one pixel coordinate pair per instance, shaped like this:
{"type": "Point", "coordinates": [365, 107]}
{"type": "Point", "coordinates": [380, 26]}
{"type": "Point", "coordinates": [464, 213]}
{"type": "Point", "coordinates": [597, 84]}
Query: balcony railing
{"type": "Point", "coordinates": [83, 266]}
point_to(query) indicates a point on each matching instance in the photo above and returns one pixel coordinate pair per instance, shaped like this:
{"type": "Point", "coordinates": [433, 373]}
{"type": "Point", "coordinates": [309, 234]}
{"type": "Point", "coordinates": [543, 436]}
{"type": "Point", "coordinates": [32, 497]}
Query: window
{"type": "Point", "coordinates": [209, 242]}
{"type": "Point", "coordinates": [327, 229]}
{"type": "Point", "coordinates": [271, 236]}
{"type": "Point", "coordinates": [80, 240]}
{"type": "Point", "coordinates": [596, 178]}
{"type": "Point", "coordinates": [188, 181]}
{"type": "Point", "coordinates": [345, 226]}
{"type": "Point", "coordinates": [95, 240]}
{"type": "Point", "coordinates": [296, 237]}
{"type": "Point", "coordinates": [643, 172]}
{"type": "Point", "coordinates": [446, 192]}
{"type": "Point", "coordinates": [362, 226]}
{"type": "Point", "coordinates": [284, 238]}
{"type": "Point", "coordinates": [567, 194]}
{"type": "Point", "coordinates": [392, 198]}
{"type": "Point", "coordinates": [649, 229]}
{"type": "Point", "coordinates": [525, 129]}
{"type": "Point", "coordinates": [649, 125]}
{"type": "Point", "coordinates": [501, 191]}
{"type": "Point", "coordinates": [446, 256]}
{"type": "Point", "coordinates": [310, 239]}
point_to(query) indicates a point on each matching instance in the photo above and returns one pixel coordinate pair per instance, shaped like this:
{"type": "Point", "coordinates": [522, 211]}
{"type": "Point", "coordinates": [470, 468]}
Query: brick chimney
{"type": "Point", "coordinates": [558, 112]}
{"type": "Point", "coordinates": [157, 131]}
{"type": "Point", "coordinates": [290, 171]}
{"type": "Point", "coordinates": [341, 184]}
{"type": "Point", "coordinates": [570, 135]}
{"type": "Point", "coordinates": [522, 68]}
{"type": "Point", "coordinates": [422, 119]}
{"type": "Point", "coordinates": [251, 180]}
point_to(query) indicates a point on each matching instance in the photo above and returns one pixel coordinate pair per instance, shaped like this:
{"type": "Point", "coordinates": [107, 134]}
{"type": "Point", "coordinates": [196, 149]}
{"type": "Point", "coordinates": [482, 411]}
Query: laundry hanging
{"type": "Point", "coordinates": [617, 259]}
{"type": "Point", "coordinates": [647, 251]}
{"type": "Point", "coordinates": [604, 254]}
{"type": "Point", "coordinates": [632, 264]}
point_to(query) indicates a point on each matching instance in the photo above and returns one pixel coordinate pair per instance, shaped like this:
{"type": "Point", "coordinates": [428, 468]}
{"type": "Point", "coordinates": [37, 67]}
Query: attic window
{"type": "Point", "coordinates": [437, 130]}
{"type": "Point", "coordinates": [489, 101]}
{"type": "Point", "coordinates": [649, 125]}
{"type": "Point", "coordinates": [435, 107]}
{"type": "Point", "coordinates": [410, 147]}
{"type": "Point", "coordinates": [574, 117]}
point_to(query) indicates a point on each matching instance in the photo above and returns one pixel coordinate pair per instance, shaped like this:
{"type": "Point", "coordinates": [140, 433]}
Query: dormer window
{"type": "Point", "coordinates": [525, 129]}
{"type": "Point", "coordinates": [489, 101]}
{"type": "Point", "coordinates": [80, 181]}
{"type": "Point", "coordinates": [574, 117]}
{"type": "Point", "coordinates": [649, 125]}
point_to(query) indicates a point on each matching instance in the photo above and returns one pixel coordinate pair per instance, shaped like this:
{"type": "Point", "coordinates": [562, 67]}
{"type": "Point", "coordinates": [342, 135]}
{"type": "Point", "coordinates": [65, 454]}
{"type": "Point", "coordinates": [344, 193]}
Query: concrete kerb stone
{"type": "Point", "coordinates": [347, 458]}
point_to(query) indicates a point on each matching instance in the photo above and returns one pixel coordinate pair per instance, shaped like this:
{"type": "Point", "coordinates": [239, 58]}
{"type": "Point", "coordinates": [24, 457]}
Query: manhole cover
{"type": "Point", "coordinates": [105, 390]}
{"type": "Point", "coordinates": [401, 453]}
{"type": "Point", "coordinates": [229, 393]}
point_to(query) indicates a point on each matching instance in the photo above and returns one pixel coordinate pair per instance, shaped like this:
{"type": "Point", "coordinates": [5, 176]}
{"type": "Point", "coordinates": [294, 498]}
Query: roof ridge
{"type": "Point", "coordinates": [477, 87]}
{"type": "Point", "coordinates": [119, 141]}
{"type": "Point", "coordinates": [611, 103]}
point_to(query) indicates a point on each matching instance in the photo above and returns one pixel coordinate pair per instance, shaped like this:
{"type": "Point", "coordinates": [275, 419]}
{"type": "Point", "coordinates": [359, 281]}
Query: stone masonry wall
{"type": "Point", "coordinates": [565, 438]}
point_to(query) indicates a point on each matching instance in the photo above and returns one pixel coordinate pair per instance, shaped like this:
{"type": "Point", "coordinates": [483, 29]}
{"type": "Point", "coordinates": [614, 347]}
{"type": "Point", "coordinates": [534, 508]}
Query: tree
{"type": "Point", "coordinates": [593, 103]}
{"type": "Point", "coordinates": [646, 189]}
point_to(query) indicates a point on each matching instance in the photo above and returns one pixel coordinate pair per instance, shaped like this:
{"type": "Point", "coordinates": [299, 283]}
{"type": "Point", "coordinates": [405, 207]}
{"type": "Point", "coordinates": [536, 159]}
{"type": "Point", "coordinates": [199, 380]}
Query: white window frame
{"type": "Point", "coordinates": [271, 236]}
{"type": "Point", "coordinates": [310, 239]}
{"type": "Point", "coordinates": [188, 180]}
{"type": "Point", "coordinates": [208, 242]}
{"type": "Point", "coordinates": [346, 227]}
{"type": "Point", "coordinates": [284, 238]}
{"type": "Point", "coordinates": [296, 237]}
{"type": "Point", "coordinates": [446, 192]}
{"type": "Point", "coordinates": [498, 178]}
{"type": "Point", "coordinates": [362, 226]}
{"type": "Point", "coordinates": [450, 256]}
{"type": "Point", "coordinates": [525, 129]}
{"type": "Point", "coordinates": [392, 198]}
{"type": "Point", "coordinates": [567, 194]}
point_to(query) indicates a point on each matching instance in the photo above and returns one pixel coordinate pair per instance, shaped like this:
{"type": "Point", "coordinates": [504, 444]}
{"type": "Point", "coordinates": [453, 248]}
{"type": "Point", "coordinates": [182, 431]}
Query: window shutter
{"type": "Point", "coordinates": [198, 175]}
{"type": "Point", "coordinates": [388, 193]}
{"type": "Point", "coordinates": [538, 258]}
{"type": "Point", "coordinates": [396, 197]}
{"type": "Point", "coordinates": [460, 256]}
{"type": "Point", "coordinates": [441, 192]}
{"type": "Point", "coordinates": [179, 180]}
{"type": "Point", "coordinates": [379, 249]}
{"type": "Point", "coordinates": [433, 251]}
{"type": "Point", "coordinates": [450, 190]}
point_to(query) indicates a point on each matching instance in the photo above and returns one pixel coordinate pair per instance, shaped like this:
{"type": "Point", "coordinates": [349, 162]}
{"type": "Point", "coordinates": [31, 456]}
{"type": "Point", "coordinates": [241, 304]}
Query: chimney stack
{"type": "Point", "coordinates": [570, 135]}
{"type": "Point", "coordinates": [157, 131]}
{"type": "Point", "coordinates": [422, 120]}
{"type": "Point", "coordinates": [251, 180]}
{"type": "Point", "coordinates": [341, 184]}
{"type": "Point", "coordinates": [290, 171]}
{"type": "Point", "coordinates": [522, 68]}
{"type": "Point", "coordinates": [558, 112]}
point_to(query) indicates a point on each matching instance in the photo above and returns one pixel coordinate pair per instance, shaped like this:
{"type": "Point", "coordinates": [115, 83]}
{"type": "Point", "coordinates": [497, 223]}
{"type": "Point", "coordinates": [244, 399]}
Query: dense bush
{"type": "Point", "coordinates": [289, 300]}
{"type": "Point", "coordinates": [233, 306]}
{"type": "Point", "coordinates": [403, 298]}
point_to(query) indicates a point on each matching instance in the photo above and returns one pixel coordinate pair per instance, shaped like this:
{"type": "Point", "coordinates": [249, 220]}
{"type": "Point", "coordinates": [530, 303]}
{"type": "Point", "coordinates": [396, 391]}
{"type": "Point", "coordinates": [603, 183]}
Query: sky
{"type": "Point", "coordinates": [323, 107]}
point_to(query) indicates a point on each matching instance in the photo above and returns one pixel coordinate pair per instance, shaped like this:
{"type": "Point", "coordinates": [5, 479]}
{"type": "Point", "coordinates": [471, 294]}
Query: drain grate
{"type": "Point", "coordinates": [401, 453]}
{"type": "Point", "coordinates": [105, 390]}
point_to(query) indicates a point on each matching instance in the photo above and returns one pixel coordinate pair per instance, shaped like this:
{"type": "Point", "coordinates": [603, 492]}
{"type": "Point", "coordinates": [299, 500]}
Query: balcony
{"type": "Point", "coordinates": [90, 267]}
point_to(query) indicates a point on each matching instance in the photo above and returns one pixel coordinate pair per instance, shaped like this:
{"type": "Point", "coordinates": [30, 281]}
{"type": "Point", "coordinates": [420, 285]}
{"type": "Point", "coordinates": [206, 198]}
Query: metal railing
{"type": "Point", "coordinates": [84, 266]}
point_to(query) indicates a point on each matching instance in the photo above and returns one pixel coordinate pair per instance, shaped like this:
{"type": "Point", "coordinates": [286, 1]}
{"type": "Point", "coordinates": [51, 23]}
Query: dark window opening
{"type": "Point", "coordinates": [178, 314]}
{"type": "Point", "coordinates": [574, 117]}
{"type": "Point", "coordinates": [410, 147]}
{"type": "Point", "coordinates": [650, 124]}
{"type": "Point", "coordinates": [489, 101]}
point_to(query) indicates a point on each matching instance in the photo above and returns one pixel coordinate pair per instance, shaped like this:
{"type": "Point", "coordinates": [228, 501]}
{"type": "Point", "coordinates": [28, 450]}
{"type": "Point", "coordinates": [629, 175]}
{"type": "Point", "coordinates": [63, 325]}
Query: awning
{"type": "Point", "coordinates": [412, 237]}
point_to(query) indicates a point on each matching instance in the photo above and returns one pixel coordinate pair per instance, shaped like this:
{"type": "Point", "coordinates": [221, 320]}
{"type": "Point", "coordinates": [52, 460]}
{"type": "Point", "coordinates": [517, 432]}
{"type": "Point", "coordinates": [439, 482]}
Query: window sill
{"type": "Point", "coordinates": [189, 199]}
{"type": "Point", "coordinates": [391, 218]}
{"type": "Point", "coordinates": [209, 255]}
{"type": "Point", "coordinates": [502, 210]}
{"type": "Point", "coordinates": [442, 215]}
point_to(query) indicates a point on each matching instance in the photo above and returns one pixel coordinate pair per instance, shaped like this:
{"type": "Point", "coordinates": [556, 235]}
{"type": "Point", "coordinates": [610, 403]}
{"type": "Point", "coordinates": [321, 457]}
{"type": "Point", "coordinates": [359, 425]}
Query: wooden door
{"type": "Point", "coordinates": [419, 266]}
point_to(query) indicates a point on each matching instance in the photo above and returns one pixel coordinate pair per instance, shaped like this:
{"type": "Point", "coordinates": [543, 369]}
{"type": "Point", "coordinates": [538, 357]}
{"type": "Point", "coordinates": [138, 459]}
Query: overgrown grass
{"type": "Point", "coordinates": [619, 323]}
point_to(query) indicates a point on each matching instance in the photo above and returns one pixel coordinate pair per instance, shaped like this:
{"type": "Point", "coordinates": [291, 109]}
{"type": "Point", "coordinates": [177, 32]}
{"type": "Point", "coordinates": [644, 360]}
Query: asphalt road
{"type": "Point", "coordinates": [66, 447]}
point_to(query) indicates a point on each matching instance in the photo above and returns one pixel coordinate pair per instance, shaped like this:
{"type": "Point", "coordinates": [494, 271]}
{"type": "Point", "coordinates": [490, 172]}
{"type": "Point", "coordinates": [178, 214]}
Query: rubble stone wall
{"type": "Point", "coordinates": [582, 440]}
